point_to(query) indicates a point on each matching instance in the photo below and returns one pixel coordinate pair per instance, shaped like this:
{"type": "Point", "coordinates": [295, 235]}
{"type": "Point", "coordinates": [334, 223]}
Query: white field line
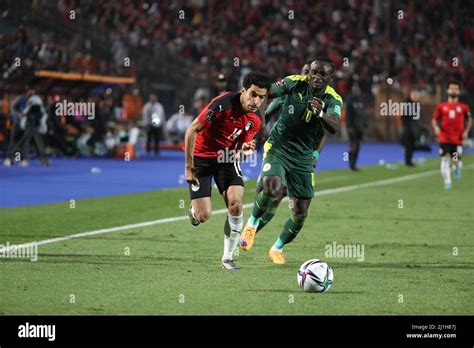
{"type": "Point", "coordinates": [333, 178]}
{"type": "Point", "coordinates": [5, 249]}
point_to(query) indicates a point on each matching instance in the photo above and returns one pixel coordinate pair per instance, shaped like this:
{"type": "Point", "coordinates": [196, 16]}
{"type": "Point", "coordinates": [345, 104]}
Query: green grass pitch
{"type": "Point", "coordinates": [418, 259]}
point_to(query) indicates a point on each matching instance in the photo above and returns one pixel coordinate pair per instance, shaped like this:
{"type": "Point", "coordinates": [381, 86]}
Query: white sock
{"type": "Point", "coordinates": [446, 170]}
{"type": "Point", "coordinates": [459, 164]}
{"type": "Point", "coordinates": [236, 222]}
{"type": "Point", "coordinates": [227, 254]}
{"type": "Point", "coordinates": [230, 242]}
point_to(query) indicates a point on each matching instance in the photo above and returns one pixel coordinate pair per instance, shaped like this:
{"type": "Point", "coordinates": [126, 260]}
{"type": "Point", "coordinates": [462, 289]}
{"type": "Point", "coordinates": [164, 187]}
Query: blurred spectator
{"type": "Point", "coordinates": [154, 120]}
{"type": "Point", "coordinates": [220, 86]}
{"type": "Point", "coordinates": [132, 104]}
{"type": "Point", "coordinates": [16, 131]}
{"type": "Point", "coordinates": [127, 138]}
{"type": "Point", "coordinates": [57, 133]}
{"type": "Point", "coordinates": [176, 126]}
{"type": "Point", "coordinates": [199, 104]}
{"type": "Point", "coordinates": [34, 126]}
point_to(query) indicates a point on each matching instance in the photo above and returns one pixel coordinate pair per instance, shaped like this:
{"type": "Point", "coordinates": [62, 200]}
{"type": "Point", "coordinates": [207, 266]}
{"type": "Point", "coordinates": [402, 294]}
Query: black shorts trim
{"type": "Point", "coordinates": [451, 149]}
{"type": "Point", "coordinates": [224, 174]}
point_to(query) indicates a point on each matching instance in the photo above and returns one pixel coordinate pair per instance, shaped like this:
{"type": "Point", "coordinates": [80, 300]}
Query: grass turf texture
{"type": "Point", "coordinates": [408, 252]}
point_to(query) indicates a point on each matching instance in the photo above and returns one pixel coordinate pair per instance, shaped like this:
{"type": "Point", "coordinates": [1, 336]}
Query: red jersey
{"type": "Point", "coordinates": [227, 126]}
{"type": "Point", "coordinates": [452, 116]}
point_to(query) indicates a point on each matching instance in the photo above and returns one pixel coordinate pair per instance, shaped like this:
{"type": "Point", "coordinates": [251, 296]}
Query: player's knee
{"type": "Point", "coordinates": [203, 215]}
{"type": "Point", "coordinates": [299, 214]}
{"type": "Point", "coordinates": [281, 193]}
{"type": "Point", "coordinates": [235, 207]}
{"type": "Point", "coordinates": [271, 192]}
{"type": "Point", "coordinates": [273, 188]}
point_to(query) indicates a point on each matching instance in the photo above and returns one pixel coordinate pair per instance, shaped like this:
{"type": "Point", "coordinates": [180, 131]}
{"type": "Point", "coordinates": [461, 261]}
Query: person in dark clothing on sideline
{"type": "Point", "coordinates": [356, 124]}
{"type": "Point", "coordinates": [409, 131]}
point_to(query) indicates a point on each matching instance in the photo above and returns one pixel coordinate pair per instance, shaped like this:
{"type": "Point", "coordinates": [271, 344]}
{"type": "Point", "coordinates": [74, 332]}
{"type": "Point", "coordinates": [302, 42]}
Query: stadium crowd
{"type": "Point", "coordinates": [279, 36]}
{"type": "Point", "coordinates": [41, 51]}
{"type": "Point", "coordinates": [112, 129]}
{"type": "Point", "coordinates": [425, 43]}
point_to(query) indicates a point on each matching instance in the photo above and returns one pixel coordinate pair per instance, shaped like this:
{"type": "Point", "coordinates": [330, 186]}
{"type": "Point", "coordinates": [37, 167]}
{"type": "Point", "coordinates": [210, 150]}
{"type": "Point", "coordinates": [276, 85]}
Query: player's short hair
{"type": "Point", "coordinates": [258, 79]}
{"type": "Point", "coordinates": [326, 60]}
{"type": "Point", "coordinates": [453, 82]}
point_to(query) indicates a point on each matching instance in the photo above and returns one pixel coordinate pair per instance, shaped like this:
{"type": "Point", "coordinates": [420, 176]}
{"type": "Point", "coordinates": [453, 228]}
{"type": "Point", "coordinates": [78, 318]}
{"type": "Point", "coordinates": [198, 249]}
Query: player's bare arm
{"type": "Point", "coordinates": [468, 126]}
{"type": "Point", "coordinates": [436, 128]}
{"type": "Point", "coordinates": [271, 94]}
{"type": "Point", "coordinates": [330, 121]}
{"type": "Point", "coordinates": [189, 144]}
{"type": "Point", "coordinates": [322, 143]}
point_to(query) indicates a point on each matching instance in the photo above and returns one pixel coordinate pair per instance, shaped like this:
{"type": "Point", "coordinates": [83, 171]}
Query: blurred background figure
{"type": "Point", "coordinates": [451, 123]}
{"type": "Point", "coordinates": [57, 135]}
{"type": "Point", "coordinates": [305, 69]}
{"type": "Point", "coordinates": [356, 123]}
{"type": "Point", "coordinates": [33, 123]}
{"type": "Point", "coordinates": [176, 126]}
{"type": "Point", "coordinates": [410, 130]}
{"type": "Point", "coordinates": [132, 104]}
{"type": "Point", "coordinates": [126, 140]}
{"type": "Point", "coordinates": [220, 86]}
{"type": "Point", "coordinates": [15, 133]}
{"type": "Point", "coordinates": [154, 120]}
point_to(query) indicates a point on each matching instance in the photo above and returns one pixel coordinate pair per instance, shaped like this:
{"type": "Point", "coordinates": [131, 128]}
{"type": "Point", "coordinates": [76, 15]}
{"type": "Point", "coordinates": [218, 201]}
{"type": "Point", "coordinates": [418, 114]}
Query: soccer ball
{"type": "Point", "coordinates": [315, 276]}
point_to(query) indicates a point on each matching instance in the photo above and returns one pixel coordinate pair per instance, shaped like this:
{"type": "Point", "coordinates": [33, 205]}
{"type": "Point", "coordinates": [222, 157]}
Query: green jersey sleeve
{"type": "Point", "coordinates": [274, 106]}
{"type": "Point", "coordinates": [288, 84]}
{"type": "Point", "coordinates": [334, 102]}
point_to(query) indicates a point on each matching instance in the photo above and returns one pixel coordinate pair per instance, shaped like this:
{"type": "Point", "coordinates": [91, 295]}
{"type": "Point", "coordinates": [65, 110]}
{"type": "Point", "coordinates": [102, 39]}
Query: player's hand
{"type": "Point", "coordinates": [317, 106]}
{"type": "Point", "coordinates": [191, 176]}
{"type": "Point", "coordinates": [464, 135]}
{"type": "Point", "coordinates": [437, 131]}
{"type": "Point", "coordinates": [248, 148]}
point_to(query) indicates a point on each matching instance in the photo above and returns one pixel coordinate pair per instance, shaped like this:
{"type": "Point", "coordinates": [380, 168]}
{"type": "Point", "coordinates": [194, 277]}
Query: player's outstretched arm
{"type": "Point", "coordinates": [189, 144]}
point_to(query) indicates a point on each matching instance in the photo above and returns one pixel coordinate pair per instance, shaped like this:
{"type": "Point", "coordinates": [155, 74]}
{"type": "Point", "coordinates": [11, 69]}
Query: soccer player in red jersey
{"type": "Point", "coordinates": [213, 142]}
{"type": "Point", "coordinates": [451, 122]}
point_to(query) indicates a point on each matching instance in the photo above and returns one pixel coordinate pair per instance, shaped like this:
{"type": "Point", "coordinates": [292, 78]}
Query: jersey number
{"type": "Point", "coordinates": [235, 134]}
{"type": "Point", "coordinates": [452, 113]}
{"type": "Point", "coordinates": [307, 115]}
